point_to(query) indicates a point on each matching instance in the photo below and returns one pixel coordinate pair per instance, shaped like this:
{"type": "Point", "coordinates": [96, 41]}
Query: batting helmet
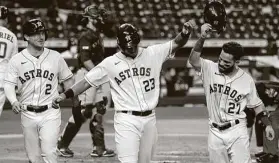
{"type": "Point", "coordinates": [215, 14]}
{"type": "Point", "coordinates": [127, 33]}
{"type": "Point", "coordinates": [3, 12]}
{"type": "Point", "coordinates": [34, 26]}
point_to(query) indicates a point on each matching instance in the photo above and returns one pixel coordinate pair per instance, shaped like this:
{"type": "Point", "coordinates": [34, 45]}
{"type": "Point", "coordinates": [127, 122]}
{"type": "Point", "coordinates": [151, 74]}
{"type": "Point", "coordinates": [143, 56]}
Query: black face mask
{"type": "Point", "coordinates": [225, 70]}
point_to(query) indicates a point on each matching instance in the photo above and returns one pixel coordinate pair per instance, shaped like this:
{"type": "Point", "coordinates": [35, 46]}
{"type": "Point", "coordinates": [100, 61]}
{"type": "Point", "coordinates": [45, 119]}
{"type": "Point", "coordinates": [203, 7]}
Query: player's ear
{"type": "Point", "coordinates": [25, 37]}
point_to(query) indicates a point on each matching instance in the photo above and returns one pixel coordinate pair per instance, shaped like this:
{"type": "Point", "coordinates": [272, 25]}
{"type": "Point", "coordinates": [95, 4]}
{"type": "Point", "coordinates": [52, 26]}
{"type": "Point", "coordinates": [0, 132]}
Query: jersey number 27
{"type": "Point", "coordinates": [234, 108]}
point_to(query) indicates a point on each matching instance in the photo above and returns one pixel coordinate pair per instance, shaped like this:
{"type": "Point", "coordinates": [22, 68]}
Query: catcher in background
{"type": "Point", "coordinates": [93, 100]}
{"type": "Point", "coordinates": [268, 92]}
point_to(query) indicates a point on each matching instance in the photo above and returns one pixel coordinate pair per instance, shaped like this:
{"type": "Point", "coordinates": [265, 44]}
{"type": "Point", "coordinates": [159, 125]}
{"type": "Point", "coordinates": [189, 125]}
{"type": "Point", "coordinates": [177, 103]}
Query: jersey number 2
{"type": "Point", "coordinates": [149, 84]}
{"type": "Point", "coordinates": [48, 88]}
{"type": "Point", "coordinates": [3, 49]}
{"type": "Point", "coordinates": [234, 108]}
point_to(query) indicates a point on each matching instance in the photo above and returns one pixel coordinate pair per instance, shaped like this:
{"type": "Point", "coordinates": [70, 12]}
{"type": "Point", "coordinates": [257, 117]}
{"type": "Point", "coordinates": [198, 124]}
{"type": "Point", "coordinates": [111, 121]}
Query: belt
{"type": "Point", "coordinates": [37, 109]}
{"type": "Point", "coordinates": [225, 125]}
{"type": "Point", "coordinates": [137, 113]}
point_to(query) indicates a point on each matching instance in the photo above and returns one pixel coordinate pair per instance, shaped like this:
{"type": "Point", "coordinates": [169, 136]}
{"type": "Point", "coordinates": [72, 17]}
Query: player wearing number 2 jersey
{"type": "Point", "coordinates": [8, 48]}
{"type": "Point", "coordinates": [36, 72]}
{"type": "Point", "coordinates": [133, 74]}
{"type": "Point", "coordinates": [228, 90]}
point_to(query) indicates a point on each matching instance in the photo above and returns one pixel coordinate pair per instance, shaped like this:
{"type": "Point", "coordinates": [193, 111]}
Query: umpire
{"type": "Point", "coordinates": [93, 101]}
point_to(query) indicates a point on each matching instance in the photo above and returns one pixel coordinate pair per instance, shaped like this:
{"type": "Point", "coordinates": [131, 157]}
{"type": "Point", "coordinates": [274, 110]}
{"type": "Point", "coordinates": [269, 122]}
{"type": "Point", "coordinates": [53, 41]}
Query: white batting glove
{"type": "Point", "coordinates": [205, 30]}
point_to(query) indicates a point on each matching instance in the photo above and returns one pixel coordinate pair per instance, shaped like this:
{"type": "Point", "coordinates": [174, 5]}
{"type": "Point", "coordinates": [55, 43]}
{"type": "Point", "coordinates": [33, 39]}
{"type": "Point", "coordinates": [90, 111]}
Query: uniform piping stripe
{"type": "Point", "coordinates": [62, 80]}
{"type": "Point", "coordinates": [34, 69]}
{"type": "Point", "coordinates": [85, 77]}
{"type": "Point", "coordinates": [121, 87]}
{"type": "Point", "coordinates": [7, 81]}
{"type": "Point", "coordinates": [41, 78]}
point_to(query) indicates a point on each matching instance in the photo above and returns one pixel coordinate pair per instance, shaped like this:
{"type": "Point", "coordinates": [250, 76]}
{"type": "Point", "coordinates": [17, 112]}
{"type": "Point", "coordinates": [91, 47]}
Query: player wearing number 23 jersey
{"type": "Point", "coordinates": [8, 48]}
{"type": "Point", "coordinates": [133, 74]}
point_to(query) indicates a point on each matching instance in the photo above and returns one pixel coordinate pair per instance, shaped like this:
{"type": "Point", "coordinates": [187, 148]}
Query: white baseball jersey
{"type": "Point", "coordinates": [135, 82]}
{"type": "Point", "coordinates": [227, 97]}
{"type": "Point", "coordinates": [8, 48]}
{"type": "Point", "coordinates": [37, 78]}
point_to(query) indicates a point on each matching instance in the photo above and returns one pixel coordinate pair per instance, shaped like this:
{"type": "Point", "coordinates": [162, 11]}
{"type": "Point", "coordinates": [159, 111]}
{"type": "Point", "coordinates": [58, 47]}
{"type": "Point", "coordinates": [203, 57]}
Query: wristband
{"type": "Point", "coordinates": [263, 116]}
{"type": "Point", "coordinates": [183, 35]}
{"type": "Point", "coordinates": [69, 93]}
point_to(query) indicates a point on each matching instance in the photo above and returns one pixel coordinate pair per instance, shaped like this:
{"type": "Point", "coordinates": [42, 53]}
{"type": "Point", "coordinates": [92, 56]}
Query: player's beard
{"type": "Point", "coordinates": [224, 70]}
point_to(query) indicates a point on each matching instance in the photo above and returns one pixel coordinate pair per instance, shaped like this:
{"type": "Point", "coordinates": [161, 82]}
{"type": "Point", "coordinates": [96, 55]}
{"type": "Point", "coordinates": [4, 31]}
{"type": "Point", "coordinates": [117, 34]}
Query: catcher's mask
{"type": "Point", "coordinates": [128, 39]}
{"type": "Point", "coordinates": [215, 14]}
{"type": "Point", "coordinates": [94, 12]}
{"type": "Point", "coordinates": [32, 27]}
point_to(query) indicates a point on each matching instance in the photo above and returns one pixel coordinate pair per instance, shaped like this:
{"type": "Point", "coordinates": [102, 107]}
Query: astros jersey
{"type": "Point", "coordinates": [134, 82]}
{"type": "Point", "coordinates": [227, 97]}
{"type": "Point", "coordinates": [37, 78]}
{"type": "Point", "coordinates": [90, 47]}
{"type": "Point", "coordinates": [8, 48]}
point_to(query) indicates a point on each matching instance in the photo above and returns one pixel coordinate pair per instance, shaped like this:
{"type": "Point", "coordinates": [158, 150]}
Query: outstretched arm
{"type": "Point", "coordinates": [182, 38]}
{"type": "Point", "coordinates": [194, 58]}
{"type": "Point", "coordinates": [76, 89]}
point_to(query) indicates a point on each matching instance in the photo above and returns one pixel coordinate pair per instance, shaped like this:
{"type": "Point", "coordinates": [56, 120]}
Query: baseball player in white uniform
{"type": "Point", "coordinates": [36, 72]}
{"type": "Point", "coordinates": [8, 48]}
{"type": "Point", "coordinates": [134, 77]}
{"type": "Point", "coordinates": [228, 90]}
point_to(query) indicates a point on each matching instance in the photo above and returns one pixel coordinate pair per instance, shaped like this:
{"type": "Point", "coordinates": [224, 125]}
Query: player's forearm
{"type": "Point", "coordinates": [194, 58]}
{"type": "Point", "coordinates": [88, 65]}
{"type": "Point", "coordinates": [262, 114]}
{"type": "Point", "coordinates": [76, 89]}
{"type": "Point", "coordinates": [180, 40]}
{"type": "Point", "coordinates": [10, 92]}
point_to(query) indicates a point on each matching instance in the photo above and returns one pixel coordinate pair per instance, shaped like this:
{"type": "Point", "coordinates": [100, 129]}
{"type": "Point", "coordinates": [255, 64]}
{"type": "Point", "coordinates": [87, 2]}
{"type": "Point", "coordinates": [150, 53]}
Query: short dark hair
{"type": "Point", "coordinates": [234, 49]}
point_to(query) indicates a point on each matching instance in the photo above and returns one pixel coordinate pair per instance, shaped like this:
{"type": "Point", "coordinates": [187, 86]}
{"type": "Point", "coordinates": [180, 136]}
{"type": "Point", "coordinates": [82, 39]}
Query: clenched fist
{"type": "Point", "coordinates": [205, 30]}
{"type": "Point", "coordinates": [188, 27]}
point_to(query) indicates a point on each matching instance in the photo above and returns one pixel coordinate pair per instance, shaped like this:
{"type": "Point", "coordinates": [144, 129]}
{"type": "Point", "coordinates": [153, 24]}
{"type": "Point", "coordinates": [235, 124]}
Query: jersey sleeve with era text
{"type": "Point", "coordinates": [64, 72]}
{"type": "Point", "coordinates": [11, 74]}
{"type": "Point", "coordinates": [253, 99]}
{"type": "Point", "coordinates": [97, 76]}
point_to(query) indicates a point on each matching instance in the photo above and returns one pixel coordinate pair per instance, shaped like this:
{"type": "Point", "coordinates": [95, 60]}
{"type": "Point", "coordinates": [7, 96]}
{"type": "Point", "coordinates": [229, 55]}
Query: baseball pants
{"type": "Point", "coordinates": [135, 137]}
{"type": "Point", "coordinates": [230, 145]}
{"type": "Point", "coordinates": [40, 131]}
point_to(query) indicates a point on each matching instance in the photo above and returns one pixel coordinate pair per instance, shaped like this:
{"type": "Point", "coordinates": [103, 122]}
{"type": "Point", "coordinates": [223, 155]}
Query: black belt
{"type": "Point", "coordinates": [137, 113]}
{"type": "Point", "coordinates": [225, 125]}
{"type": "Point", "coordinates": [37, 109]}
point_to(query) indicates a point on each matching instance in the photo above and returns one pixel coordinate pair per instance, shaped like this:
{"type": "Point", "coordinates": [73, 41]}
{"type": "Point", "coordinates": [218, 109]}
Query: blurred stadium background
{"type": "Point", "coordinates": [253, 23]}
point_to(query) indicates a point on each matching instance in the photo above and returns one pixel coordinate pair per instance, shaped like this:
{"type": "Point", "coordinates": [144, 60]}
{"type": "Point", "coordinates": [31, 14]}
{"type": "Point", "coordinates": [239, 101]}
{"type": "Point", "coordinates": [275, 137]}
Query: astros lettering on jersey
{"type": "Point", "coordinates": [135, 82]}
{"type": "Point", "coordinates": [226, 97]}
{"type": "Point", "coordinates": [38, 78]}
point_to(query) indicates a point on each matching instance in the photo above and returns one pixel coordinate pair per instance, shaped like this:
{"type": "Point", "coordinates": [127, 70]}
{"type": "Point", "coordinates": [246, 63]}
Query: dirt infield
{"type": "Point", "coordinates": [182, 137]}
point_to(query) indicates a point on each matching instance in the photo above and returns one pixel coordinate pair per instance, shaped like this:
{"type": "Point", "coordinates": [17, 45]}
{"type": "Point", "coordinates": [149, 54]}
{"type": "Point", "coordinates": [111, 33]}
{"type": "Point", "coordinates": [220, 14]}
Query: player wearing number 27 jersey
{"type": "Point", "coordinates": [8, 48]}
